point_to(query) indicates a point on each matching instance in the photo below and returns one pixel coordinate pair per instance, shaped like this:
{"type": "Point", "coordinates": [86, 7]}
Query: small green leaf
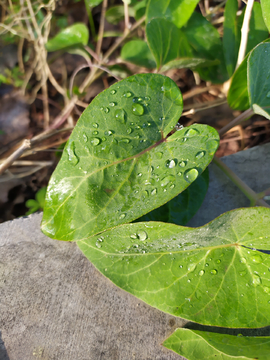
{"type": "Point", "coordinates": [138, 53]}
{"type": "Point", "coordinates": [176, 11]}
{"type": "Point", "coordinates": [119, 162]}
{"type": "Point", "coordinates": [116, 13]}
{"type": "Point", "coordinates": [266, 12]}
{"type": "Point", "coordinates": [195, 344]}
{"type": "Point", "coordinates": [211, 275]}
{"type": "Point", "coordinates": [92, 3]}
{"type": "Point", "coordinates": [258, 70]}
{"type": "Point", "coordinates": [76, 34]}
{"type": "Point", "coordinates": [191, 63]}
{"type": "Point", "coordinates": [231, 35]}
{"type": "Point", "coordinates": [33, 206]}
{"type": "Point", "coordinates": [183, 207]}
{"type": "Point", "coordinates": [40, 196]}
{"type": "Point", "coordinates": [166, 41]}
{"type": "Point", "coordinates": [238, 98]}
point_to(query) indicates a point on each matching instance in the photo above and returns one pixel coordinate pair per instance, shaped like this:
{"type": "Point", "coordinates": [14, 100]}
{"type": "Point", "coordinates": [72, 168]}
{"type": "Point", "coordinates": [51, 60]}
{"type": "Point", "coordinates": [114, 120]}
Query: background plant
{"type": "Point", "coordinates": [199, 274]}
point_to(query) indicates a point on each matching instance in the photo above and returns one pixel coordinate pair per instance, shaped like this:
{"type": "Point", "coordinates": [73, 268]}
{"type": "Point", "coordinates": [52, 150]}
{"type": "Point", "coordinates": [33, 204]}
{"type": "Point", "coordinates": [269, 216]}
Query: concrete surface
{"type": "Point", "coordinates": [56, 306]}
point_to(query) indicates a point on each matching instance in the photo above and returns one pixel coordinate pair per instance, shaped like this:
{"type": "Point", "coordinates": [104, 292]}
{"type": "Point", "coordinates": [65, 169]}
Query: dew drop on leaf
{"type": "Point", "coordinates": [98, 244]}
{"type": "Point", "coordinates": [170, 164]}
{"type": "Point", "coordinates": [266, 289]}
{"type": "Point", "coordinates": [72, 157]}
{"type": "Point", "coordinates": [124, 140]}
{"type": "Point", "coordinates": [256, 258]}
{"type": "Point", "coordinates": [95, 125]}
{"type": "Point", "coordinates": [191, 267]}
{"type": "Point", "coordinates": [212, 146]}
{"type": "Point", "coordinates": [137, 109]}
{"type": "Point", "coordinates": [127, 94]}
{"type": "Point", "coordinates": [113, 92]}
{"type": "Point", "coordinates": [191, 175]}
{"type": "Point", "coordinates": [95, 141]}
{"type": "Point", "coordinates": [129, 130]}
{"type": "Point", "coordinates": [142, 235]}
{"type": "Point", "coordinates": [147, 98]}
{"type": "Point", "coordinates": [213, 272]}
{"type": "Point", "coordinates": [218, 261]}
{"type": "Point", "coordinates": [133, 236]}
{"type": "Point", "coordinates": [200, 155]}
{"type": "Point", "coordinates": [153, 192]}
{"type": "Point", "coordinates": [85, 138]}
{"type": "Point", "coordinates": [122, 216]}
{"type": "Point", "coordinates": [243, 260]}
{"type": "Point", "coordinates": [95, 132]}
{"type": "Point", "coordinates": [112, 103]}
{"type": "Point", "coordinates": [179, 174]}
{"type": "Point", "coordinates": [106, 110]}
{"type": "Point", "coordinates": [159, 155]}
{"type": "Point", "coordinates": [120, 115]}
{"type": "Point", "coordinates": [191, 132]}
{"type": "Point", "coordinates": [182, 164]}
{"type": "Point", "coordinates": [165, 181]}
{"type": "Point", "coordinates": [201, 272]}
{"type": "Point", "coordinates": [256, 280]}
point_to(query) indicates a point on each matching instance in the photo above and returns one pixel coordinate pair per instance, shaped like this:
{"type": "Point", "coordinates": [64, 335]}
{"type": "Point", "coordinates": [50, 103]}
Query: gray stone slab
{"type": "Point", "coordinates": [56, 306]}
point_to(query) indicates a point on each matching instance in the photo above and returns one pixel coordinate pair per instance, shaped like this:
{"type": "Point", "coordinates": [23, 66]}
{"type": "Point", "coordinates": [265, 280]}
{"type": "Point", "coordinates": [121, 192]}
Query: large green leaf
{"type": "Point", "coordinates": [183, 207]}
{"type": "Point", "coordinates": [119, 162]}
{"type": "Point", "coordinates": [205, 41]}
{"type": "Point", "coordinates": [138, 53]}
{"type": "Point", "coordinates": [211, 275]}
{"type": "Point", "coordinates": [266, 12]}
{"type": "Point", "coordinates": [166, 41]}
{"type": "Point", "coordinates": [258, 70]}
{"type": "Point", "coordinates": [76, 34]}
{"type": "Point", "coordinates": [195, 344]}
{"type": "Point", "coordinates": [176, 11]}
{"type": "Point", "coordinates": [238, 98]}
{"type": "Point", "coordinates": [231, 39]}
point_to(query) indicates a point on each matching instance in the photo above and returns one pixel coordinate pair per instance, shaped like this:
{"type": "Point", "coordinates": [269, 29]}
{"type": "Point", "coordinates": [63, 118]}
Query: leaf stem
{"type": "Point", "coordinates": [101, 27]}
{"type": "Point", "coordinates": [246, 190]}
{"type": "Point", "coordinates": [244, 33]}
{"type": "Point", "coordinates": [244, 116]}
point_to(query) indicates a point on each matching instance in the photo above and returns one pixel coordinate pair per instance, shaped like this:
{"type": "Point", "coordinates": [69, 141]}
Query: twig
{"type": "Point", "coordinates": [26, 145]}
{"type": "Point", "coordinates": [244, 116]}
{"type": "Point", "coordinates": [244, 33]}
{"type": "Point", "coordinates": [250, 194]}
{"type": "Point", "coordinates": [101, 27]}
{"type": "Point", "coordinates": [126, 15]}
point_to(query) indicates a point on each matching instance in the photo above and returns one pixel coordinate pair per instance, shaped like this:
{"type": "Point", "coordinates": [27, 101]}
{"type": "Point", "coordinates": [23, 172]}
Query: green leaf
{"type": "Point", "coordinates": [176, 11]}
{"type": "Point", "coordinates": [92, 3]}
{"type": "Point", "coordinates": [231, 39]}
{"type": "Point", "coordinates": [210, 275]}
{"type": "Point", "coordinates": [76, 34]}
{"type": "Point", "coordinates": [33, 206]}
{"type": "Point", "coordinates": [258, 70]}
{"type": "Point", "coordinates": [195, 344]}
{"type": "Point", "coordinates": [40, 196]}
{"type": "Point", "coordinates": [238, 98]}
{"type": "Point", "coordinates": [116, 13]}
{"type": "Point", "coordinates": [183, 207]}
{"type": "Point", "coordinates": [166, 41]}
{"type": "Point", "coordinates": [119, 162]}
{"type": "Point", "coordinates": [266, 12]}
{"type": "Point", "coordinates": [138, 53]}
{"type": "Point", "coordinates": [205, 41]}
{"type": "Point", "coordinates": [190, 63]}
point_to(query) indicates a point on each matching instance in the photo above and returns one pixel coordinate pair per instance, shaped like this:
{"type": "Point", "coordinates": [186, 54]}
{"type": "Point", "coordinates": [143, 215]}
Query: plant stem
{"type": "Point", "coordinates": [244, 33]}
{"type": "Point", "coordinates": [101, 27]}
{"type": "Point", "coordinates": [244, 116]}
{"type": "Point", "coordinates": [250, 194]}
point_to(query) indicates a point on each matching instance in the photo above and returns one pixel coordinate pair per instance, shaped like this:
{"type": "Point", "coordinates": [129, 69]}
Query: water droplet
{"type": "Point", "coordinates": [206, 264]}
{"type": "Point", "coordinates": [106, 110]}
{"type": "Point", "coordinates": [172, 186]}
{"type": "Point", "coordinates": [191, 175]}
{"type": "Point", "coordinates": [139, 174]}
{"type": "Point", "coordinates": [72, 157]}
{"type": "Point", "coordinates": [98, 244]}
{"type": "Point", "coordinates": [129, 130]}
{"type": "Point", "coordinates": [127, 94]}
{"type": "Point", "coordinates": [256, 258]}
{"type": "Point", "coordinates": [122, 216]}
{"type": "Point", "coordinates": [112, 103]}
{"type": "Point", "coordinates": [184, 139]}
{"type": "Point", "coordinates": [95, 141]}
{"type": "Point", "coordinates": [113, 92]}
{"type": "Point", "coordinates": [266, 289]}
{"type": "Point", "coordinates": [137, 109]}
{"type": "Point", "coordinates": [95, 125]}
{"type": "Point", "coordinates": [108, 133]}
{"type": "Point", "coordinates": [85, 138]}
{"type": "Point", "coordinates": [256, 280]}
{"type": "Point", "coordinates": [179, 173]}
{"type": "Point", "coordinates": [120, 115]}
{"type": "Point", "coordinates": [153, 192]}
{"type": "Point", "coordinates": [170, 164]}
{"type": "Point", "coordinates": [124, 140]}
{"type": "Point", "coordinates": [200, 155]}
{"type": "Point", "coordinates": [213, 272]}
{"type": "Point", "coordinates": [212, 146]}
{"type": "Point", "coordinates": [191, 132]}
{"type": "Point", "coordinates": [201, 272]}
{"type": "Point", "coordinates": [182, 164]}
{"type": "Point", "coordinates": [142, 235]}
{"type": "Point", "coordinates": [243, 260]}
{"type": "Point", "coordinates": [165, 181]}
{"type": "Point", "coordinates": [161, 118]}
{"type": "Point", "coordinates": [159, 155]}
{"type": "Point", "coordinates": [133, 236]}
{"type": "Point", "coordinates": [191, 267]}
{"type": "Point", "coordinates": [147, 98]}
{"type": "Point", "coordinates": [102, 108]}
{"type": "Point", "coordinates": [218, 261]}
{"type": "Point", "coordinates": [95, 132]}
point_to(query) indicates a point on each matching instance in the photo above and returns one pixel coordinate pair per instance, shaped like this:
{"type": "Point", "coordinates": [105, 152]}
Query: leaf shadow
{"type": "Point", "coordinates": [3, 350]}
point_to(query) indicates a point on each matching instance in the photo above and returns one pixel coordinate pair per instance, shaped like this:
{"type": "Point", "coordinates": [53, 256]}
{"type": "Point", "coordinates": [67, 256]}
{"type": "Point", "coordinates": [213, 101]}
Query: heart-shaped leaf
{"type": "Point", "coordinates": [184, 206]}
{"type": "Point", "coordinates": [195, 344]}
{"type": "Point", "coordinates": [120, 163]}
{"type": "Point", "coordinates": [138, 53]}
{"type": "Point", "coordinates": [73, 35]}
{"type": "Point", "coordinates": [211, 275]}
{"type": "Point", "coordinates": [176, 11]}
{"type": "Point", "coordinates": [258, 70]}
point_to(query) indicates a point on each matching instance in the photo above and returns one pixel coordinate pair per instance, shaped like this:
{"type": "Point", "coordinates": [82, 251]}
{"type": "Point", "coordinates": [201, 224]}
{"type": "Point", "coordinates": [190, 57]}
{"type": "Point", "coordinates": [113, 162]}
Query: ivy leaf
{"type": "Point", "coordinates": [176, 11]}
{"type": "Point", "coordinates": [195, 344]}
{"type": "Point", "coordinates": [211, 275]}
{"type": "Point", "coordinates": [183, 207]}
{"type": "Point", "coordinates": [76, 34]}
{"type": "Point", "coordinates": [119, 163]}
{"type": "Point", "coordinates": [138, 53]}
{"type": "Point", "coordinates": [238, 98]}
{"type": "Point", "coordinates": [266, 12]}
{"type": "Point", "coordinates": [258, 71]}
